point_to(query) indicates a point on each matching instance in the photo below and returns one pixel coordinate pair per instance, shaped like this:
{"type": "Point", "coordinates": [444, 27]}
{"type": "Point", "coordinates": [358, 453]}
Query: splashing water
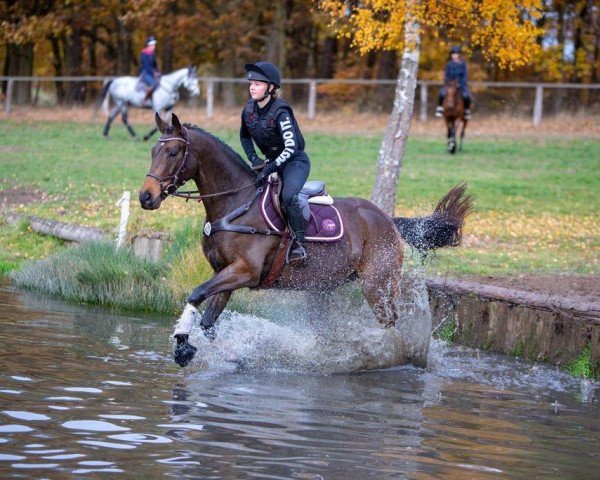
{"type": "Point", "coordinates": [331, 332]}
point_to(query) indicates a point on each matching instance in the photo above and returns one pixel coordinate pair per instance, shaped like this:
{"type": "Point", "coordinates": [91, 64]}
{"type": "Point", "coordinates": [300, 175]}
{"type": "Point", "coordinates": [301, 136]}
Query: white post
{"type": "Point", "coordinates": [9, 94]}
{"type": "Point", "coordinates": [210, 97]}
{"type": "Point", "coordinates": [124, 204]}
{"type": "Point", "coordinates": [537, 106]}
{"type": "Point", "coordinates": [312, 99]}
{"type": "Point", "coordinates": [423, 112]}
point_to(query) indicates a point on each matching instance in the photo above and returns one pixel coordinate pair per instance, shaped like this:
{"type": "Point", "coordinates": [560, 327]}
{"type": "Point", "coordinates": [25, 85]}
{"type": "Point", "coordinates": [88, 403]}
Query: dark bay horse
{"type": "Point", "coordinates": [370, 249]}
{"type": "Point", "coordinates": [454, 109]}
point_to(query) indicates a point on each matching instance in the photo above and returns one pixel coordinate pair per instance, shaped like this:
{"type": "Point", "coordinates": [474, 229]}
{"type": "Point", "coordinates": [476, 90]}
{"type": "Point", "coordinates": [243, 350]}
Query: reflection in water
{"type": "Point", "coordinates": [85, 392]}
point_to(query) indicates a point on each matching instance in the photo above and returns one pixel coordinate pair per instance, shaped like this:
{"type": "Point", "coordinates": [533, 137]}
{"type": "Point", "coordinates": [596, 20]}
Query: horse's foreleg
{"type": "Point", "coordinates": [125, 118]}
{"type": "Point", "coordinates": [150, 133]}
{"type": "Point", "coordinates": [214, 307]}
{"type": "Point", "coordinates": [237, 275]}
{"type": "Point", "coordinates": [154, 130]}
{"type": "Point", "coordinates": [111, 117]}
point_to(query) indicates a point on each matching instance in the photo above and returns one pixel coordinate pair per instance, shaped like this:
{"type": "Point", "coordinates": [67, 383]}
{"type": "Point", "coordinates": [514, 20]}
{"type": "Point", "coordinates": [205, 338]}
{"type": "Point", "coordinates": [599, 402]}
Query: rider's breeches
{"type": "Point", "coordinates": [149, 79]}
{"type": "Point", "coordinates": [466, 95]}
{"type": "Point", "coordinates": [294, 176]}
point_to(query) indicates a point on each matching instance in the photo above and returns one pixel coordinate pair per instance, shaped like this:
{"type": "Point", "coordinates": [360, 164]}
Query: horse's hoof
{"type": "Point", "coordinates": [209, 333]}
{"type": "Point", "coordinates": [184, 353]}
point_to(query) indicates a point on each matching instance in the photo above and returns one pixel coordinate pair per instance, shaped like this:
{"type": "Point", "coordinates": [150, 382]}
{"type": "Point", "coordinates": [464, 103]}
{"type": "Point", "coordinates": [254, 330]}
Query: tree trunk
{"type": "Point", "coordinates": [328, 57]}
{"type": "Point", "coordinates": [391, 153]}
{"type": "Point", "coordinates": [19, 62]}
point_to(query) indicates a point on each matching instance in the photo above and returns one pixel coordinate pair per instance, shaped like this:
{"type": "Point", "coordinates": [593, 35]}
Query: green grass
{"type": "Point", "coordinates": [582, 367]}
{"type": "Point", "coordinates": [537, 199]}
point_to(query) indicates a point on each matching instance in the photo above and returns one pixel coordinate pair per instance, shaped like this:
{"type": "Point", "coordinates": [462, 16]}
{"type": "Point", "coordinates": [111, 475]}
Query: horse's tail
{"type": "Point", "coordinates": [103, 97]}
{"type": "Point", "coordinates": [443, 228]}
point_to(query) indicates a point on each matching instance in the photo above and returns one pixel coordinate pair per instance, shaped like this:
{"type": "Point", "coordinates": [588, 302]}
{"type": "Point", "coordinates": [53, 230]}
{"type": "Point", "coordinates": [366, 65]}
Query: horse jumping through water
{"type": "Point", "coordinates": [125, 92]}
{"type": "Point", "coordinates": [243, 251]}
{"type": "Point", "coordinates": [454, 110]}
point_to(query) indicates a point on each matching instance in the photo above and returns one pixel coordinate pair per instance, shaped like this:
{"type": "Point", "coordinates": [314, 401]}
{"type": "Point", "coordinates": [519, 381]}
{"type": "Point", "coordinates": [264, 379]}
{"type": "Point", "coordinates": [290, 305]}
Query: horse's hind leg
{"type": "Point", "coordinates": [125, 118]}
{"type": "Point", "coordinates": [111, 117]}
{"type": "Point", "coordinates": [377, 273]}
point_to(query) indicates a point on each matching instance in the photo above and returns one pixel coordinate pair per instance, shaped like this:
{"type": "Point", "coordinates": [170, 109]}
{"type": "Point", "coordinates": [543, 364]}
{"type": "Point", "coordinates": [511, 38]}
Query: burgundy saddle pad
{"type": "Point", "coordinates": [325, 223]}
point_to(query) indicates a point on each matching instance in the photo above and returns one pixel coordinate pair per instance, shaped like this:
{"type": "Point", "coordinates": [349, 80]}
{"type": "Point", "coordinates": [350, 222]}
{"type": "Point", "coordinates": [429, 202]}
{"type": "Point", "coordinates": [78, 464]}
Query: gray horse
{"type": "Point", "coordinates": [124, 93]}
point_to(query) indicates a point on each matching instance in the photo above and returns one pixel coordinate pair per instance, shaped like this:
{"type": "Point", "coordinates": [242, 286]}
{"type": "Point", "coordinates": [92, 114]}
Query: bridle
{"type": "Point", "coordinates": [173, 182]}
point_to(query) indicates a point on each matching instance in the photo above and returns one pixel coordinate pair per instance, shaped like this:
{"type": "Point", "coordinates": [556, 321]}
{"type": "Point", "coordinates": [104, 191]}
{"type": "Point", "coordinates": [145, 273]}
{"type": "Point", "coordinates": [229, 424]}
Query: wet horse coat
{"type": "Point", "coordinates": [371, 247]}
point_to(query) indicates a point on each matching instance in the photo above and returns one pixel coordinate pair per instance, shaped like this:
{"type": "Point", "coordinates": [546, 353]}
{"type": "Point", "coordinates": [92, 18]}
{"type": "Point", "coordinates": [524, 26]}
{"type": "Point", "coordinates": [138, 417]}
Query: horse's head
{"type": "Point", "coordinates": [170, 167]}
{"type": "Point", "coordinates": [190, 82]}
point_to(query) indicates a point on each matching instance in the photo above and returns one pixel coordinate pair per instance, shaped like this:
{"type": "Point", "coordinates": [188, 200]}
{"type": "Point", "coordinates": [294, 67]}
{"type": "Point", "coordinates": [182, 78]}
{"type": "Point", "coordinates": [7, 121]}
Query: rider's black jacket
{"type": "Point", "coordinates": [274, 130]}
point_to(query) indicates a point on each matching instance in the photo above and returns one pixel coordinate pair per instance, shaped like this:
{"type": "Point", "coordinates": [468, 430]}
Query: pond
{"type": "Point", "coordinates": [89, 393]}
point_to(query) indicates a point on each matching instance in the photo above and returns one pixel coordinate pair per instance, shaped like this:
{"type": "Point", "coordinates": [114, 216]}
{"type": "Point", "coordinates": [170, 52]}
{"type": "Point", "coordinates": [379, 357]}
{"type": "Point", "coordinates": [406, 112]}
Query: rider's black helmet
{"type": "Point", "coordinates": [264, 72]}
{"type": "Point", "coordinates": [151, 40]}
{"type": "Point", "coordinates": [455, 49]}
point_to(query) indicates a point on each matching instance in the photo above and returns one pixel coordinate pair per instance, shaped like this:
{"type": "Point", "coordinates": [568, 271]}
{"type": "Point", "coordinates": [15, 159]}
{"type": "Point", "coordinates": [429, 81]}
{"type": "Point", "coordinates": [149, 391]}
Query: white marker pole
{"type": "Point", "coordinates": [124, 204]}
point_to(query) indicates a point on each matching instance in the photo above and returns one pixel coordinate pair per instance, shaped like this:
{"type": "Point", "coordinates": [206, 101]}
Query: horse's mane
{"type": "Point", "coordinates": [230, 151]}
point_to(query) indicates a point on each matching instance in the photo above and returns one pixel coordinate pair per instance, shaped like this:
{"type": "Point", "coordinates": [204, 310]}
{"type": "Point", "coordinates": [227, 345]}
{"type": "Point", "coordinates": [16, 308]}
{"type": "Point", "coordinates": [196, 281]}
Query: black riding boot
{"type": "Point", "coordinates": [297, 251]}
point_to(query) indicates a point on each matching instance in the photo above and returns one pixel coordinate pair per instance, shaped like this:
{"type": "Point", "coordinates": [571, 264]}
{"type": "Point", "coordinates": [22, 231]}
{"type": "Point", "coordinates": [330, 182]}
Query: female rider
{"type": "Point", "coordinates": [148, 68]}
{"type": "Point", "coordinates": [269, 122]}
{"type": "Point", "coordinates": [456, 69]}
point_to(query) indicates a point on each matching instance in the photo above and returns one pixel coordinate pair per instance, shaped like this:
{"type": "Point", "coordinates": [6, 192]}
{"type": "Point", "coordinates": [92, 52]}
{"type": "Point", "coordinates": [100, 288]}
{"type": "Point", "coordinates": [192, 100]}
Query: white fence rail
{"type": "Point", "coordinates": [313, 83]}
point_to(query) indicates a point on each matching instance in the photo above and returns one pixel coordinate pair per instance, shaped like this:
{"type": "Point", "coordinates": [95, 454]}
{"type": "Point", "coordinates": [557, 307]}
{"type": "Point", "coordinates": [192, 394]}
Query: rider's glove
{"type": "Point", "coordinates": [261, 178]}
{"type": "Point", "coordinates": [257, 162]}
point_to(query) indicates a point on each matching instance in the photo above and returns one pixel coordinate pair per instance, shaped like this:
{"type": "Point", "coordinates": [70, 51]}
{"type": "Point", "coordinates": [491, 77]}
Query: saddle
{"type": "Point", "coordinates": [142, 86]}
{"type": "Point", "coordinates": [323, 221]}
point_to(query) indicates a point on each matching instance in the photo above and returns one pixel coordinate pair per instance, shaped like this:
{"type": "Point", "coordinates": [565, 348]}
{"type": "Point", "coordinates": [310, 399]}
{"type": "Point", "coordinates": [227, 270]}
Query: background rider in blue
{"type": "Point", "coordinates": [456, 69]}
{"type": "Point", "coordinates": [149, 69]}
{"type": "Point", "coordinates": [268, 121]}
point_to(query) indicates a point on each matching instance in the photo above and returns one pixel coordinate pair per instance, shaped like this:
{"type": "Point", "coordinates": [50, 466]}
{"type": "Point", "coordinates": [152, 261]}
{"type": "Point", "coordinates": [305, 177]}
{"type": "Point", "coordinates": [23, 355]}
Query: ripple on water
{"type": "Point", "coordinates": [122, 417]}
{"type": "Point", "coordinates": [182, 426]}
{"type": "Point", "coordinates": [111, 445]}
{"type": "Point", "coordinates": [11, 392]}
{"type": "Point", "coordinates": [83, 389]}
{"type": "Point", "coordinates": [7, 457]}
{"type": "Point", "coordinates": [141, 438]}
{"type": "Point", "coordinates": [65, 399]}
{"type": "Point", "coordinates": [30, 466]}
{"type": "Point", "coordinates": [21, 379]}
{"type": "Point", "coordinates": [94, 426]}
{"type": "Point", "coordinates": [23, 415]}
{"type": "Point", "coordinates": [14, 428]}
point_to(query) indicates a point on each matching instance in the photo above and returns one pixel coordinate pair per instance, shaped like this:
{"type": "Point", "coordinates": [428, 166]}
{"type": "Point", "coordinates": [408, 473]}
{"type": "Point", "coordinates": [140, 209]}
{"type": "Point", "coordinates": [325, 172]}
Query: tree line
{"type": "Point", "coordinates": [104, 37]}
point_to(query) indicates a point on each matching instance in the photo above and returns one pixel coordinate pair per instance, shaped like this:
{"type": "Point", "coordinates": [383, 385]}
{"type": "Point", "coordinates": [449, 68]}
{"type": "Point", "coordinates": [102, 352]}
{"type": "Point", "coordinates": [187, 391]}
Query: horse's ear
{"type": "Point", "coordinates": [160, 123]}
{"type": "Point", "coordinates": [176, 124]}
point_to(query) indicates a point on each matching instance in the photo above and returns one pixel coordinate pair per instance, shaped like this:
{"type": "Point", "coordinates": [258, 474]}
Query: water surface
{"type": "Point", "coordinates": [86, 393]}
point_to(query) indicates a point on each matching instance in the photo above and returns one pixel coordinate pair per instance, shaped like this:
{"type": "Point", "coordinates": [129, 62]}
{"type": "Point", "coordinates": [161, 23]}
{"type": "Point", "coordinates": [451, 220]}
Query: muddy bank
{"type": "Point", "coordinates": [552, 327]}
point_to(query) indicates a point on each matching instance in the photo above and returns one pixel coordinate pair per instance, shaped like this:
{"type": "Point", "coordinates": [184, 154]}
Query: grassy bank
{"type": "Point", "coordinates": [537, 198]}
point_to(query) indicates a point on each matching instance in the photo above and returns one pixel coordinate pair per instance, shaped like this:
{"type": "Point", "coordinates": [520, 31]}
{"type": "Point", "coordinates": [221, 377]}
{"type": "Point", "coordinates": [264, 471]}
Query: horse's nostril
{"type": "Point", "coordinates": [145, 198]}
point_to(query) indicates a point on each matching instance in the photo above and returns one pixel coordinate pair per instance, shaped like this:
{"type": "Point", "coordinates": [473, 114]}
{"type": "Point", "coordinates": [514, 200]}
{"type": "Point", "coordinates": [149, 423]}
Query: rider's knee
{"type": "Point", "coordinates": [289, 198]}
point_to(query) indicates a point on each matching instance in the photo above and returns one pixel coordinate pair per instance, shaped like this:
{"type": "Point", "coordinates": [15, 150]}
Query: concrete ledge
{"type": "Point", "coordinates": [538, 327]}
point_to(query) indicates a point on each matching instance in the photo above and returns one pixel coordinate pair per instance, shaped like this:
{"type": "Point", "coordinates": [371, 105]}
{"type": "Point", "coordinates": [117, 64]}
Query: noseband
{"type": "Point", "coordinates": [174, 182]}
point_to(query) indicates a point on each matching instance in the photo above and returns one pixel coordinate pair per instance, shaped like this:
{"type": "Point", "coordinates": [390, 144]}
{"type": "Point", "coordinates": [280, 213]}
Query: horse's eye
{"type": "Point", "coordinates": [173, 154]}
